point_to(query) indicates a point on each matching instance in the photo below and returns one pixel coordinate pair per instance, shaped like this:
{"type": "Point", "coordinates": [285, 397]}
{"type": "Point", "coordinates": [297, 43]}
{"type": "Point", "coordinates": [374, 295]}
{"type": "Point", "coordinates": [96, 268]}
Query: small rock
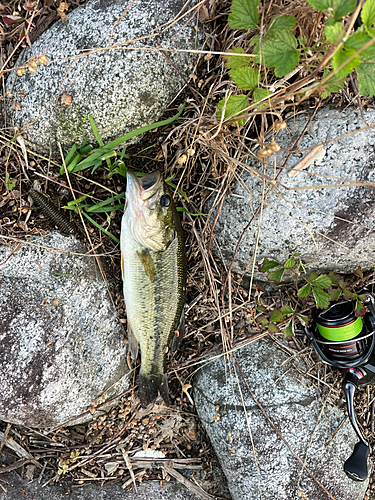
{"type": "Point", "coordinates": [331, 227]}
{"type": "Point", "coordinates": [294, 409]}
{"type": "Point", "coordinates": [122, 88]}
{"type": "Point", "coordinates": [61, 347]}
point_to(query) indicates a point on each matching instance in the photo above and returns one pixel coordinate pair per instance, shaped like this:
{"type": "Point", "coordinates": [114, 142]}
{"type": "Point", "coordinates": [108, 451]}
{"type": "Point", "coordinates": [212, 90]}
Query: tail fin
{"type": "Point", "coordinates": [150, 386]}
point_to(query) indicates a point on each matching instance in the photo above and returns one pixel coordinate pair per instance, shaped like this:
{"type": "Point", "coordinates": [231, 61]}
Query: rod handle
{"type": "Point", "coordinates": [356, 465]}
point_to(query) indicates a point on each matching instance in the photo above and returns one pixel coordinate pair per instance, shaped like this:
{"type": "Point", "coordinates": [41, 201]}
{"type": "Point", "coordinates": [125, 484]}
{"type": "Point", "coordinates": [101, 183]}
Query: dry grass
{"type": "Point", "coordinates": [205, 155]}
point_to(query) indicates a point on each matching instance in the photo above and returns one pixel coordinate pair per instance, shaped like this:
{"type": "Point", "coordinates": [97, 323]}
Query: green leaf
{"type": "Point", "coordinates": [280, 53]}
{"type": "Point", "coordinates": [277, 316]}
{"type": "Point", "coordinates": [303, 319]}
{"type": "Point", "coordinates": [359, 308]}
{"type": "Point", "coordinates": [321, 4]}
{"type": "Point", "coordinates": [245, 78]}
{"type": "Point", "coordinates": [312, 276]}
{"type": "Point", "coordinates": [287, 310]}
{"type": "Point", "coordinates": [358, 40]}
{"type": "Point", "coordinates": [263, 321]}
{"type": "Point", "coordinates": [235, 104]}
{"type": "Point", "coordinates": [334, 278]}
{"type": "Point", "coordinates": [368, 13]}
{"type": "Point", "coordinates": [340, 57]}
{"type": "Point", "coordinates": [273, 328]}
{"type": "Point", "coordinates": [321, 281]}
{"type": "Point", "coordinates": [260, 94]}
{"type": "Point", "coordinates": [347, 294]}
{"type": "Point", "coordinates": [233, 61]}
{"type": "Point", "coordinates": [366, 78]}
{"type": "Point", "coordinates": [288, 330]}
{"type": "Point", "coordinates": [261, 309]}
{"type": "Point", "coordinates": [321, 298]}
{"type": "Point", "coordinates": [267, 265]}
{"type": "Point", "coordinates": [243, 14]}
{"type": "Point", "coordinates": [276, 275]}
{"type": "Point", "coordinates": [343, 8]}
{"type": "Point", "coordinates": [279, 23]}
{"type": "Point", "coordinates": [333, 30]}
{"type": "Point", "coordinates": [332, 85]}
{"type": "Point", "coordinates": [334, 293]}
{"type": "Point", "coordinates": [290, 262]}
{"type": "Point", "coordinates": [304, 291]}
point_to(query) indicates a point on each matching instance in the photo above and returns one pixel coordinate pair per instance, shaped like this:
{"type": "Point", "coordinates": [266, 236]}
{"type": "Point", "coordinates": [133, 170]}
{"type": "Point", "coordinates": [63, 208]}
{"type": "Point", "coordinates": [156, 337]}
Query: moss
{"type": "Point", "coordinates": [71, 126]}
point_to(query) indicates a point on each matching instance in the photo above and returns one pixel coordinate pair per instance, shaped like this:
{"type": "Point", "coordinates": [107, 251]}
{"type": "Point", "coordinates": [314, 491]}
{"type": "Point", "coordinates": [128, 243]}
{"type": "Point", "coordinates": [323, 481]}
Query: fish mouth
{"type": "Point", "coordinates": [144, 189]}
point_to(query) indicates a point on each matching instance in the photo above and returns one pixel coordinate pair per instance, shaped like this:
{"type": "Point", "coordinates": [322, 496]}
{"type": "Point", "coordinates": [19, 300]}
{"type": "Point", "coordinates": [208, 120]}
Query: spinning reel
{"type": "Point", "coordinates": [346, 341]}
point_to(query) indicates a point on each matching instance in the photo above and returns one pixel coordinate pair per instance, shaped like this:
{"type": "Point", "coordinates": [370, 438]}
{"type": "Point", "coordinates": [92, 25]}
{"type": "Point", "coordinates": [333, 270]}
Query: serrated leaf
{"type": "Point", "coordinates": [267, 265]}
{"type": "Point", "coordinates": [342, 55]}
{"type": "Point", "coordinates": [321, 4]}
{"type": "Point", "coordinates": [245, 78]}
{"type": "Point", "coordinates": [287, 310]}
{"type": "Point", "coordinates": [312, 276]}
{"type": "Point", "coordinates": [273, 328]}
{"type": "Point", "coordinates": [359, 308]}
{"type": "Point", "coordinates": [368, 13]}
{"type": "Point", "coordinates": [260, 94]}
{"type": "Point", "coordinates": [233, 61]}
{"type": "Point", "coordinates": [276, 275]}
{"type": "Point", "coordinates": [304, 291]}
{"type": "Point", "coordinates": [288, 331]}
{"type": "Point", "coordinates": [261, 309]}
{"type": "Point", "coordinates": [279, 23]}
{"type": "Point", "coordinates": [358, 40]}
{"type": "Point", "coordinates": [358, 272]}
{"type": "Point", "coordinates": [302, 41]}
{"type": "Point", "coordinates": [263, 321]}
{"type": "Point", "coordinates": [321, 298]}
{"type": "Point", "coordinates": [334, 293]}
{"type": "Point", "coordinates": [347, 294]}
{"type": "Point", "coordinates": [235, 104]}
{"type": "Point", "coordinates": [290, 262]}
{"type": "Point", "coordinates": [366, 78]}
{"type": "Point", "coordinates": [343, 8]}
{"type": "Point", "coordinates": [321, 281]}
{"type": "Point", "coordinates": [304, 319]}
{"type": "Point", "coordinates": [277, 316]}
{"type": "Point", "coordinates": [334, 278]}
{"type": "Point", "coordinates": [333, 30]}
{"type": "Point", "coordinates": [243, 14]}
{"type": "Point", "coordinates": [280, 53]}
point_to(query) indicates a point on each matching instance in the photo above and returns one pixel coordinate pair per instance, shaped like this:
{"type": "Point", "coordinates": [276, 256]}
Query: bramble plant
{"type": "Point", "coordinates": [281, 51]}
{"type": "Point", "coordinates": [322, 289]}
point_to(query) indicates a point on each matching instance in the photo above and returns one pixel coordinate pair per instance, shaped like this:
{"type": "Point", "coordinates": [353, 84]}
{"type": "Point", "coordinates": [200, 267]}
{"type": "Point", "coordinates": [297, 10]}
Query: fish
{"type": "Point", "coordinates": [153, 264]}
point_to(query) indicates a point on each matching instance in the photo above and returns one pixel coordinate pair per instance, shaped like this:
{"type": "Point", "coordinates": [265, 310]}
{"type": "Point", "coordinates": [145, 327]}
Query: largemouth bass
{"type": "Point", "coordinates": [153, 266]}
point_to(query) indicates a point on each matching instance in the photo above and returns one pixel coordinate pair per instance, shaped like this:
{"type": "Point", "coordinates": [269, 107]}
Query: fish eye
{"type": "Point", "coordinates": [165, 200]}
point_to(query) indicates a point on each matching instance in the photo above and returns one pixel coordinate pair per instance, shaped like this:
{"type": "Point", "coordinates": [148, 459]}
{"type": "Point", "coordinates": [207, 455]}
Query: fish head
{"type": "Point", "coordinates": [150, 211]}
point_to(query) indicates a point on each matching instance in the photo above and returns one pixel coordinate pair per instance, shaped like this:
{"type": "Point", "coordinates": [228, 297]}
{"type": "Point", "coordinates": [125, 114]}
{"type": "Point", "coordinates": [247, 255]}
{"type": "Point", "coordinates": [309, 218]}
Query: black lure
{"type": "Point", "coordinates": [52, 213]}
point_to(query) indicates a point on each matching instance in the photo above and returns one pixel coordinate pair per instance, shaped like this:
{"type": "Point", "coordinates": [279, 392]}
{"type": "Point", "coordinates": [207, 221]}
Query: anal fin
{"type": "Point", "coordinates": [176, 340]}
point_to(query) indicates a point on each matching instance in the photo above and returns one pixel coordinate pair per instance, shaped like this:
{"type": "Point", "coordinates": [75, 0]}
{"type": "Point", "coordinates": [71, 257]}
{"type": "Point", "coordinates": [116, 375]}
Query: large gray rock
{"type": "Point", "coordinates": [296, 412]}
{"type": "Point", "coordinates": [61, 347]}
{"type": "Point", "coordinates": [341, 220]}
{"type": "Point", "coordinates": [121, 88]}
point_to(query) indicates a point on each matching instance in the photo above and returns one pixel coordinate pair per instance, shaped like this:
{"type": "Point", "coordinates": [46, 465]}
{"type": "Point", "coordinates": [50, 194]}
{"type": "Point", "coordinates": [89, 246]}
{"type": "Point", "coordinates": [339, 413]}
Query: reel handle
{"type": "Point", "coordinates": [356, 465]}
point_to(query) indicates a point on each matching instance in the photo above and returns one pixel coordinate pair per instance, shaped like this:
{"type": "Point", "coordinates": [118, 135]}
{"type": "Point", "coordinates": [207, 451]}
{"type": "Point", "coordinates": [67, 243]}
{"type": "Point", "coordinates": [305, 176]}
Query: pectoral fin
{"type": "Point", "coordinates": [181, 332]}
{"type": "Point", "coordinates": [147, 263]}
{"type": "Point", "coordinates": [133, 343]}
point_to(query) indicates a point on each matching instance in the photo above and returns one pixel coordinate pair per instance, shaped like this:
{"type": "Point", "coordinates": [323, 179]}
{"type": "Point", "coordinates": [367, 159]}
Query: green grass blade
{"type": "Point", "coordinates": [95, 131]}
{"type": "Point", "coordinates": [109, 200]}
{"type": "Point", "coordinates": [142, 130]}
{"type": "Point", "coordinates": [100, 227]}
